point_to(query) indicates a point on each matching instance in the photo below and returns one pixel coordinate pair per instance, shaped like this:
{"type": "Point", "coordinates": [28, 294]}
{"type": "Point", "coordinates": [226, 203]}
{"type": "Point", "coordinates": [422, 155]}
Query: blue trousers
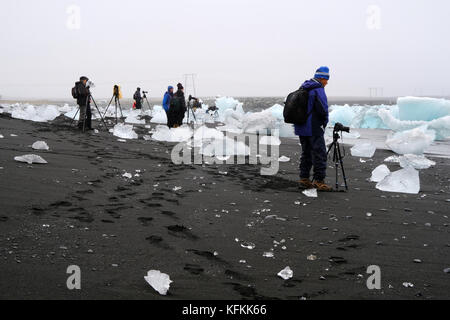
{"type": "Point", "coordinates": [314, 154]}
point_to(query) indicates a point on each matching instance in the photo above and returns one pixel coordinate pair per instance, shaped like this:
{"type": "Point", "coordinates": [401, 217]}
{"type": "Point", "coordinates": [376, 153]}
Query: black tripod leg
{"type": "Point", "coordinates": [343, 169]}
{"type": "Point", "coordinates": [336, 164]}
{"type": "Point", "coordinates": [103, 119]}
{"type": "Point", "coordinates": [109, 105]}
{"type": "Point", "coordinates": [73, 120]}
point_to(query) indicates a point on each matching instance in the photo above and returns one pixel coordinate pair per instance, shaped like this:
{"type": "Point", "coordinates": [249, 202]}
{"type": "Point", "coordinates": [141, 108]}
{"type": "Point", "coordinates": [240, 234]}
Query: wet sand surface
{"type": "Point", "coordinates": [79, 210]}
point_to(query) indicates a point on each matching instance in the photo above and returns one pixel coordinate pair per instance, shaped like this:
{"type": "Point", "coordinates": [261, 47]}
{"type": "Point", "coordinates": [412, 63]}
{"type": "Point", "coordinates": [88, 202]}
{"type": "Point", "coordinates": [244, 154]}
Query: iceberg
{"type": "Point", "coordinates": [40, 145]}
{"type": "Point", "coordinates": [159, 115]}
{"type": "Point", "coordinates": [414, 141]}
{"type": "Point", "coordinates": [159, 281]}
{"type": "Point", "coordinates": [124, 131]}
{"type": "Point", "coordinates": [422, 109]}
{"type": "Point", "coordinates": [380, 173]}
{"type": "Point", "coordinates": [404, 181]}
{"type": "Point", "coordinates": [415, 161]}
{"type": "Point", "coordinates": [30, 159]}
{"type": "Point", "coordinates": [364, 150]}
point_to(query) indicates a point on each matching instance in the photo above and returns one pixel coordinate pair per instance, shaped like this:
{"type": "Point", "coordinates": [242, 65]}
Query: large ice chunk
{"type": "Point", "coordinates": [380, 173]}
{"type": "Point", "coordinates": [164, 133]}
{"type": "Point", "coordinates": [411, 142]}
{"type": "Point", "coordinates": [415, 161]}
{"type": "Point", "coordinates": [159, 115]}
{"type": "Point", "coordinates": [364, 150]}
{"type": "Point", "coordinates": [404, 181]}
{"type": "Point", "coordinates": [34, 113]}
{"type": "Point", "coordinates": [30, 159]}
{"type": "Point", "coordinates": [159, 281]}
{"type": "Point", "coordinates": [422, 109]}
{"type": "Point", "coordinates": [225, 148]}
{"type": "Point", "coordinates": [124, 131]}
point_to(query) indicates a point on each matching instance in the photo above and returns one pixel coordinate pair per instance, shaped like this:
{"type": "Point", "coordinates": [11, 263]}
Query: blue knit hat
{"type": "Point", "coordinates": [323, 73]}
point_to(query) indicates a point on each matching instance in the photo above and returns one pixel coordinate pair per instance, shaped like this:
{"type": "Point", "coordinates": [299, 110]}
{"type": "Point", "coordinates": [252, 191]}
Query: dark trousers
{"type": "Point", "coordinates": [314, 154]}
{"type": "Point", "coordinates": [138, 105]}
{"type": "Point", "coordinates": [85, 115]}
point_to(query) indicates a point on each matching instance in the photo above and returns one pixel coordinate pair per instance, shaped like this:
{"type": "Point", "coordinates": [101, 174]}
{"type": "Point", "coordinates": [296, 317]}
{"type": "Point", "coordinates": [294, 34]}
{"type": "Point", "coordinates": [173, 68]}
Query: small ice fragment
{"type": "Point", "coordinates": [248, 245]}
{"type": "Point", "coordinates": [286, 274]}
{"type": "Point", "coordinates": [447, 270]}
{"type": "Point", "coordinates": [380, 173]}
{"type": "Point", "coordinates": [220, 158]}
{"type": "Point", "coordinates": [158, 281]}
{"type": "Point", "coordinates": [392, 159]}
{"type": "Point", "coordinates": [40, 145]}
{"type": "Point", "coordinates": [270, 141]}
{"type": "Point", "coordinates": [364, 150]}
{"type": "Point", "coordinates": [124, 131]}
{"type": "Point", "coordinates": [147, 138]}
{"type": "Point", "coordinates": [311, 257]}
{"type": "Point", "coordinates": [268, 255]}
{"type": "Point", "coordinates": [408, 285]}
{"type": "Point", "coordinates": [122, 140]}
{"type": "Point", "coordinates": [13, 135]}
{"type": "Point", "coordinates": [311, 193]}
{"type": "Point", "coordinates": [403, 181]}
{"type": "Point", "coordinates": [127, 175]}
{"type": "Point", "coordinates": [1, 136]}
{"type": "Point", "coordinates": [96, 131]}
{"type": "Point", "coordinates": [30, 159]}
{"type": "Point", "coordinates": [284, 159]}
{"type": "Point", "coordinates": [223, 173]}
{"type": "Point", "coordinates": [177, 189]}
{"type": "Point", "coordinates": [362, 161]}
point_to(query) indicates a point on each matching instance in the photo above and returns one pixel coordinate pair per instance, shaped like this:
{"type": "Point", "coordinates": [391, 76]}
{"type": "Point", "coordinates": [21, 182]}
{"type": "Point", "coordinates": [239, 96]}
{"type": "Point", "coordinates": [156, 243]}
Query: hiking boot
{"type": "Point", "coordinates": [322, 186]}
{"type": "Point", "coordinates": [306, 184]}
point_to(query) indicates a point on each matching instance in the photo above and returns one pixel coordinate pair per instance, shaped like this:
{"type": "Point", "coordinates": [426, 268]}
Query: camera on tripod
{"type": "Point", "coordinates": [196, 104]}
{"type": "Point", "coordinates": [144, 92]}
{"type": "Point", "coordinates": [339, 127]}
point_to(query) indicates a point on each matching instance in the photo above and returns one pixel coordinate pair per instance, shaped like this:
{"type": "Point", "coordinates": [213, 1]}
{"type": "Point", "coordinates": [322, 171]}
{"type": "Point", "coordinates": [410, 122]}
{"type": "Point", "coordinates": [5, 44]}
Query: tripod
{"type": "Point", "coordinates": [191, 112]}
{"type": "Point", "coordinates": [88, 99]}
{"type": "Point", "coordinates": [144, 99]}
{"type": "Point", "coordinates": [338, 159]}
{"type": "Point", "coordinates": [116, 99]}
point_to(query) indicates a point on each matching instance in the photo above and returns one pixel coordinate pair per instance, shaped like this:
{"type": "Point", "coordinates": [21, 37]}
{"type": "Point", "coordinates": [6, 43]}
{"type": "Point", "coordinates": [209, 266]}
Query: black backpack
{"type": "Point", "coordinates": [296, 107]}
{"type": "Point", "coordinates": [75, 92]}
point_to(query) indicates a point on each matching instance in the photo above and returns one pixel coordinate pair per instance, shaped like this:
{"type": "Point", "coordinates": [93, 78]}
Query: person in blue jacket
{"type": "Point", "coordinates": [167, 97]}
{"type": "Point", "coordinates": [314, 150]}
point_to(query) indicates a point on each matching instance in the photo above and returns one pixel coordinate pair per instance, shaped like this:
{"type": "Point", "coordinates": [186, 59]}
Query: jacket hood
{"type": "Point", "coordinates": [312, 84]}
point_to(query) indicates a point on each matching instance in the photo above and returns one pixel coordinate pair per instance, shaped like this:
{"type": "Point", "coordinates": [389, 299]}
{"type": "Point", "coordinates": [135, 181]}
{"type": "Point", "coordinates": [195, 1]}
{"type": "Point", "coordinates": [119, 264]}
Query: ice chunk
{"type": "Point", "coordinates": [342, 114]}
{"type": "Point", "coordinates": [40, 145]}
{"type": "Point", "coordinates": [284, 159]}
{"type": "Point", "coordinates": [164, 133]}
{"type": "Point", "coordinates": [270, 141]}
{"type": "Point", "coordinates": [311, 193]}
{"type": "Point", "coordinates": [392, 159]}
{"type": "Point", "coordinates": [380, 173]}
{"type": "Point", "coordinates": [124, 131]}
{"type": "Point", "coordinates": [411, 142]}
{"type": "Point", "coordinates": [404, 181]}
{"type": "Point", "coordinates": [34, 113]}
{"type": "Point", "coordinates": [159, 281]}
{"type": "Point", "coordinates": [30, 159]}
{"type": "Point", "coordinates": [127, 175]}
{"type": "Point", "coordinates": [422, 109]}
{"type": "Point", "coordinates": [415, 161]}
{"type": "Point", "coordinates": [224, 148]}
{"type": "Point", "coordinates": [1, 136]}
{"type": "Point", "coordinates": [205, 134]}
{"type": "Point", "coordinates": [159, 115]}
{"type": "Point", "coordinates": [286, 273]}
{"type": "Point", "coordinates": [133, 116]}
{"type": "Point", "coordinates": [364, 150]}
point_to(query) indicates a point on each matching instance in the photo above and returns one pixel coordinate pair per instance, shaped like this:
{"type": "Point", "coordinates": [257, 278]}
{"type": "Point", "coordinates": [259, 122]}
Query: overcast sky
{"type": "Point", "coordinates": [236, 47]}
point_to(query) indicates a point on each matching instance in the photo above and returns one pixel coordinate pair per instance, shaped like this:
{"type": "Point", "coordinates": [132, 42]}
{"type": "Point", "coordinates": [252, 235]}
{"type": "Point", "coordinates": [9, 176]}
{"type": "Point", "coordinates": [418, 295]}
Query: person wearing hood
{"type": "Point", "coordinates": [138, 99]}
{"type": "Point", "coordinates": [167, 98]}
{"type": "Point", "coordinates": [314, 150]}
{"type": "Point", "coordinates": [177, 109]}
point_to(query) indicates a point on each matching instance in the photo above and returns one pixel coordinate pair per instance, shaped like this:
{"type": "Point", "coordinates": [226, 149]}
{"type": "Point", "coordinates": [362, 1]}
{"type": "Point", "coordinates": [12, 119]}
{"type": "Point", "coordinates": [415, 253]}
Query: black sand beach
{"type": "Point", "coordinates": [79, 210]}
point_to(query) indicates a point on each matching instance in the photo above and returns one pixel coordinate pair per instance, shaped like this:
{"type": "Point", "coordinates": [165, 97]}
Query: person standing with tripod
{"type": "Point", "coordinates": [83, 101]}
{"type": "Point", "coordinates": [314, 150]}
{"type": "Point", "coordinates": [138, 99]}
{"type": "Point", "coordinates": [177, 110]}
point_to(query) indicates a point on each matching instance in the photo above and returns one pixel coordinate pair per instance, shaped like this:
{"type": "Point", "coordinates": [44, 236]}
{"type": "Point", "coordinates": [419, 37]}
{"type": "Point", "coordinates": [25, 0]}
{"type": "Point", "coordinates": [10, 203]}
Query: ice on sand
{"type": "Point", "coordinates": [30, 159]}
{"type": "Point", "coordinates": [380, 173]}
{"type": "Point", "coordinates": [165, 134]}
{"type": "Point", "coordinates": [34, 113]}
{"type": "Point", "coordinates": [40, 145]}
{"type": "Point", "coordinates": [159, 281]}
{"type": "Point", "coordinates": [159, 115]}
{"type": "Point", "coordinates": [415, 161]}
{"type": "Point", "coordinates": [364, 150]}
{"type": "Point", "coordinates": [270, 141]}
{"type": "Point", "coordinates": [1, 136]}
{"type": "Point", "coordinates": [225, 148]}
{"type": "Point", "coordinates": [404, 181]}
{"type": "Point", "coordinates": [414, 141]}
{"type": "Point", "coordinates": [124, 131]}
{"type": "Point", "coordinates": [311, 193]}
{"type": "Point", "coordinates": [284, 159]}
{"type": "Point", "coordinates": [286, 273]}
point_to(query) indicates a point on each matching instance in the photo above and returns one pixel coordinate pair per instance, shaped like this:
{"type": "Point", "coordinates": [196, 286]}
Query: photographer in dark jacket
{"type": "Point", "coordinates": [138, 98]}
{"type": "Point", "coordinates": [85, 121]}
{"type": "Point", "coordinates": [177, 108]}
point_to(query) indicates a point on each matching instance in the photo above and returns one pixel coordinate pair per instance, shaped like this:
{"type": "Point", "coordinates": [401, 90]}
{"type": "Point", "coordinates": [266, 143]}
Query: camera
{"type": "Point", "coordinates": [145, 92]}
{"type": "Point", "coordinates": [90, 84]}
{"type": "Point", "coordinates": [192, 98]}
{"type": "Point", "coordinates": [339, 127]}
